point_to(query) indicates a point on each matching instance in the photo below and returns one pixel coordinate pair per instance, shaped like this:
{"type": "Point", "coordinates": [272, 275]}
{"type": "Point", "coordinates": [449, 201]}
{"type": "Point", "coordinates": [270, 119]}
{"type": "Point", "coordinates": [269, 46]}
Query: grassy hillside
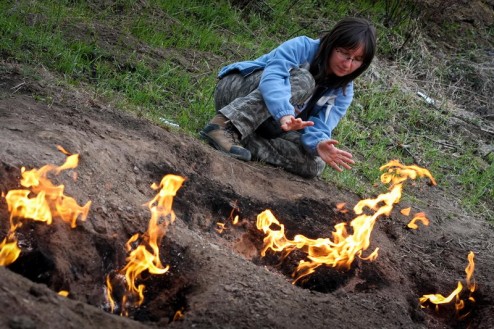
{"type": "Point", "coordinates": [159, 59]}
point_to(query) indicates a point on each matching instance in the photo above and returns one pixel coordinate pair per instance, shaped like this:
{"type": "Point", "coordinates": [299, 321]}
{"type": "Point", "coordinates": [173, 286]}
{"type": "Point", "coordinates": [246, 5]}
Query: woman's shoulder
{"type": "Point", "coordinates": [299, 46]}
{"type": "Point", "coordinates": [305, 40]}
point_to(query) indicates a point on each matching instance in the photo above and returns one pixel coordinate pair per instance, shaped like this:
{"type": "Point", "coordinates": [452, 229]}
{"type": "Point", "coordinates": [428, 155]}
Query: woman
{"type": "Point", "coordinates": [282, 107]}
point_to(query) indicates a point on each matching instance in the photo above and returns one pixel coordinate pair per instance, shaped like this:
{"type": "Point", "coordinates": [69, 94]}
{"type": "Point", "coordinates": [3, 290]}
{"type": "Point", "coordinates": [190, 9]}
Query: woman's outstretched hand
{"type": "Point", "coordinates": [333, 156]}
{"type": "Point", "coordinates": [289, 122]}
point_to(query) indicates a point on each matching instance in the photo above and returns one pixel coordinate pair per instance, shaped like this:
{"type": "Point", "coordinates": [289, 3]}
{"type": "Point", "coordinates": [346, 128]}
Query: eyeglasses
{"type": "Point", "coordinates": [345, 56]}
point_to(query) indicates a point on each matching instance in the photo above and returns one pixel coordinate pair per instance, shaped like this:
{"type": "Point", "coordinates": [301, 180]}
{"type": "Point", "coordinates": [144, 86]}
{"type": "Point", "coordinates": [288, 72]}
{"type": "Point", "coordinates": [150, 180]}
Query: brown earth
{"type": "Point", "coordinates": [216, 280]}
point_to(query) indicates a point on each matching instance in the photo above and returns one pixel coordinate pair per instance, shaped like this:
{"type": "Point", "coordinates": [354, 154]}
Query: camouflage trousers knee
{"type": "Point", "coordinates": [240, 100]}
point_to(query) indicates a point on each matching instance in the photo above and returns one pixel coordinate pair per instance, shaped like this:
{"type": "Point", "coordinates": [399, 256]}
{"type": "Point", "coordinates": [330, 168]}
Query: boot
{"type": "Point", "coordinates": [223, 136]}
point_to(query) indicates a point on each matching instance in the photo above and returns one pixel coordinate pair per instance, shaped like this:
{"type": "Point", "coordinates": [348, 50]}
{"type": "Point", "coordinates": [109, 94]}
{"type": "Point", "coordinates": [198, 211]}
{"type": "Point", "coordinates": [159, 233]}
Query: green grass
{"type": "Point", "coordinates": [160, 59]}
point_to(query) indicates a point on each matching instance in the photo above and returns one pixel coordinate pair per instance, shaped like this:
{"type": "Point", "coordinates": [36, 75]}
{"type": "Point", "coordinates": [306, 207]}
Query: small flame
{"type": "Point", "coordinates": [405, 211]}
{"type": "Point", "coordinates": [471, 285]}
{"type": "Point", "coordinates": [64, 151]}
{"type": "Point", "coordinates": [145, 257]}
{"type": "Point", "coordinates": [341, 250]}
{"type": "Point", "coordinates": [340, 207]}
{"type": "Point", "coordinates": [40, 201]}
{"type": "Point", "coordinates": [179, 315]}
{"type": "Point", "coordinates": [9, 251]}
{"type": "Point", "coordinates": [109, 293]}
{"type": "Point", "coordinates": [459, 303]}
{"type": "Point", "coordinates": [440, 299]}
{"type": "Point", "coordinates": [419, 217]}
{"type": "Point", "coordinates": [63, 293]}
{"type": "Point", "coordinates": [220, 227]}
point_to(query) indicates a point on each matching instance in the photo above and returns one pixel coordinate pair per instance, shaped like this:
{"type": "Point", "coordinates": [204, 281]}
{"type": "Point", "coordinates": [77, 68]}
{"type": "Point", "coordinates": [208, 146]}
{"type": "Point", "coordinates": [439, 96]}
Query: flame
{"type": "Point", "coordinates": [40, 201]}
{"type": "Point", "coordinates": [145, 257]}
{"type": "Point", "coordinates": [341, 250]}
{"type": "Point", "coordinates": [440, 299]}
{"type": "Point", "coordinates": [21, 206]}
{"type": "Point", "coordinates": [220, 227]}
{"type": "Point", "coordinates": [64, 151]}
{"type": "Point", "coordinates": [109, 293]}
{"type": "Point", "coordinates": [471, 285]}
{"type": "Point", "coordinates": [50, 200]}
{"type": "Point", "coordinates": [9, 251]}
{"type": "Point", "coordinates": [340, 207]}
{"type": "Point", "coordinates": [179, 315]}
{"type": "Point", "coordinates": [418, 217]}
{"type": "Point", "coordinates": [63, 293]}
{"type": "Point", "coordinates": [405, 211]}
{"type": "Point", "coordinates": [459, 303]}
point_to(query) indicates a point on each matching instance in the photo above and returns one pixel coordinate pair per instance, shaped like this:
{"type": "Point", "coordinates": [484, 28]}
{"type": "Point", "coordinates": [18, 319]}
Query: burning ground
{"type": "Point", "coordinates": [211, 272]}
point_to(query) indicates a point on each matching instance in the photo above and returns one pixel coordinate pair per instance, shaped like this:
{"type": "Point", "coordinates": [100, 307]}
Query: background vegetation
{"type": "Point", "coordinates": [159, 59]}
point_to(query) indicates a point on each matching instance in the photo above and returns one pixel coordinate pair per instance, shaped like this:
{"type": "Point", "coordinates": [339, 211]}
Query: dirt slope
{"type": "Point", "coordinates": [215, 280]}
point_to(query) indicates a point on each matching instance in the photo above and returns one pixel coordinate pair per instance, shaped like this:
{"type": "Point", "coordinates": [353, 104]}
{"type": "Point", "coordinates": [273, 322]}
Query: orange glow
{"type": "Point", "coordinates": [419, 217]}
{"type": "Point", "coordinates": [63, 293]}
{"type": "Point", "coordinates": [109, 293]}
{"type": "Point", "coordinates": [471, 285]}
{"type": "Point", "coordinates": [340, 207]}
{"type": "Point", "coordinates": [40, 201]}
{"type": "Point", "coordinates": [405, 211]}
{"type": "Point", "coordinates": [9, 251]}
{"type": "Point", "coordinates": [64, 151]}
{"type": "Point", "coordinates": [145, 257]}
{"type": "Point", "coordinates": [220, 227]}
{"type": "Point", "coordinates": [459, 303]}
{"type": "Point", "coordinates": [179, 315]}
{"type": "Point", "coordinates": [340, 250]}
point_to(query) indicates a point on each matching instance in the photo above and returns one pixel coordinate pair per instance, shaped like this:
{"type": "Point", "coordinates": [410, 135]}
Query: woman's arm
{"type": "Point", "coordinates": [275, 81]}
{"type": "Point", "coordinates": [326, 119]}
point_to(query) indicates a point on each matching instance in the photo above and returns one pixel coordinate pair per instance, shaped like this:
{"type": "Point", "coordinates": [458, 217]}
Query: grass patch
{"type": "Point", "coordinates": [160, 58]}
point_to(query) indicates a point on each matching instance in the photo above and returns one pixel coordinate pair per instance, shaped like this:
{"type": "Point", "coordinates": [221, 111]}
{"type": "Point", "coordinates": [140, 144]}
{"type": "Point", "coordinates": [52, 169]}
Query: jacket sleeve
{"type": "Point", "coordinates": [326, 119]}
{"type": "Point", "coordinates": [275, 80]}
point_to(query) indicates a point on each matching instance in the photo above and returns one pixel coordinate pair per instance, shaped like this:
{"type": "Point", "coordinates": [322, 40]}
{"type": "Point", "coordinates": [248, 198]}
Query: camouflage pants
{"type": "Point", "coordinates": [239, 99]}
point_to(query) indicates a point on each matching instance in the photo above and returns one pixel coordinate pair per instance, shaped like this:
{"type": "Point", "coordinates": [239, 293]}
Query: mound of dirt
{"type": "Point", "coordinates": [215, 280]}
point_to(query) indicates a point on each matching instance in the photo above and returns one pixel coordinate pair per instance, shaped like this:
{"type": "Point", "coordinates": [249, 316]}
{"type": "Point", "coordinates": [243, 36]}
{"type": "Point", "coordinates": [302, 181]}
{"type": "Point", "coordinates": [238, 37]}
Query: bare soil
{"type": "Point", "coordinates": [215, 280]}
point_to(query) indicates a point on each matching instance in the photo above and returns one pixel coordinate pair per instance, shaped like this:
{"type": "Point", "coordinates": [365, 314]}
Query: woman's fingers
{"type": "Point", "coordinates": [333, 156]}
{"type": "Point", "coordinates": [289, 122]}
{"type": "Point", "coordinates": [297, 124]}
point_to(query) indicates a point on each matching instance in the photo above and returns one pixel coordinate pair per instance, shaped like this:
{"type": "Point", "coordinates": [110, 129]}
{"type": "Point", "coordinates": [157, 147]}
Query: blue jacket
{"type": "Point", "coordinates": [276, 91]}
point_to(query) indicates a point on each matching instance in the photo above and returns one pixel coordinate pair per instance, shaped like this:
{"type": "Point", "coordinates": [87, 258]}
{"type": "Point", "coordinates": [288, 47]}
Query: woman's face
{"type": "Point", "coordinates": [345, 61]}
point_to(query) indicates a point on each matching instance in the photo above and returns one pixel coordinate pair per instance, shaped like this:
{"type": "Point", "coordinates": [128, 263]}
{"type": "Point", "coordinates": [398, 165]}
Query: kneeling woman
{"type": "Point", "coordinates": [282, 107]}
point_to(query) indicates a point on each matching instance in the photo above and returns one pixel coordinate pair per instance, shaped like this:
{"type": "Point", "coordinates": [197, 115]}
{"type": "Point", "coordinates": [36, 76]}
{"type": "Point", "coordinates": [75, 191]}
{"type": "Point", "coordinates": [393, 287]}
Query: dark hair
{"type": "Point", "coordinates": [349, 33]}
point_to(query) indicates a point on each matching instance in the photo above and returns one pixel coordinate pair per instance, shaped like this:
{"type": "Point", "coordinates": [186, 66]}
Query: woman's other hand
{"type": "Point", "coordinates": [333, 156]}
{"type": "Point", "coordinates": [289, 122]}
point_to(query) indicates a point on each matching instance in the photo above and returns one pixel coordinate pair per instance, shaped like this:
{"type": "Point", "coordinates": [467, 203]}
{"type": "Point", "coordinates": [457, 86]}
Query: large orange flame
{"type": "Point", "coordinates": [340, 250]}
{"type": "Point", "coordinates": [40, 201]}
{"type": "Point", "coordinates": [145, 257]}
{"type": "Point", "coordinates": [438, 299]}
{"type": "Point", "coordinates": [49, 201]}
